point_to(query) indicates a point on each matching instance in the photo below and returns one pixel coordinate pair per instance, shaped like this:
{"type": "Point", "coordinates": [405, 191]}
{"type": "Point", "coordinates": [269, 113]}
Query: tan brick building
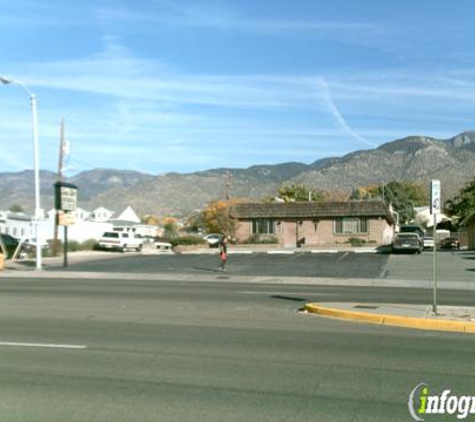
{"type": "Point", "coordinates": [315, 224]}
{"type": "Point", "coordinates": [468, 223]}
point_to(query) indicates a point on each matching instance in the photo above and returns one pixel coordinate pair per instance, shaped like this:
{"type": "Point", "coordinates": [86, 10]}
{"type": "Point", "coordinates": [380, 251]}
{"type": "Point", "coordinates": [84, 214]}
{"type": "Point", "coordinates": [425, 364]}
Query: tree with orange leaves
{"type": "Point", "coordinates": [216, 217]}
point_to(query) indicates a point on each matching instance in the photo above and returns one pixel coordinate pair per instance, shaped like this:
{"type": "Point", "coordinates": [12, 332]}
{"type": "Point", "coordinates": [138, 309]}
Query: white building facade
{"type": "Point", "coordinates": [88, 225]}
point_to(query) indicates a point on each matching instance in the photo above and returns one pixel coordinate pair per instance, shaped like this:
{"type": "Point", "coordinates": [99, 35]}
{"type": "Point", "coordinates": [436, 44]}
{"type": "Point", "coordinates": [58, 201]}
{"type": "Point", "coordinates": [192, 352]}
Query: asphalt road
{"type": "Point", "coordinates": [173, 351]}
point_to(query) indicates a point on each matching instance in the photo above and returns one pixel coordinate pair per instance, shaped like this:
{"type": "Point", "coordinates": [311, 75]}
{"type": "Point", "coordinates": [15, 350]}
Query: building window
{"type": "Point", "coordinates": [263, 226]}
{"type": "Point", "coordinates": [350, 225]}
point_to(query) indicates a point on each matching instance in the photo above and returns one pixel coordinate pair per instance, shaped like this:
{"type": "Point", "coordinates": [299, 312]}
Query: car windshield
{"type": "Point", "coordinates": [411, 229]}
{"type": "Point", "coordinates": [111, 234]}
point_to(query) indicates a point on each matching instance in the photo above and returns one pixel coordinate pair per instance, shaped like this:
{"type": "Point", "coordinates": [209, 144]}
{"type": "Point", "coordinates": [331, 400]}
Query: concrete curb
{"type": "Point", "coordinates": [393, 320]}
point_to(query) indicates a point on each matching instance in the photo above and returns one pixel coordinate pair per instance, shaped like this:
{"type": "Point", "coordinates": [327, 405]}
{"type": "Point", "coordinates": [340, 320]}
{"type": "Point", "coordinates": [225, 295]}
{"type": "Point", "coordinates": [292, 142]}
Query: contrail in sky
{"type": "Point", "coordinates": [338, 116]}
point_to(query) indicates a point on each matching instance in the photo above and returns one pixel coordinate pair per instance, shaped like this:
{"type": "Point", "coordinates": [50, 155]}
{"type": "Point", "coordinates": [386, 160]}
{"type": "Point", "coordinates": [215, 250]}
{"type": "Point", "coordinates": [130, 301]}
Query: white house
{"type": "Point", "coordinates": [128, 220]}
{"type": "Point", "coordinates": [88, 225]}
{"type": "Point", "coordinates": [81, 214]}
{"type": "Point", "coordinates": [101, 215]}
{"type": "Point", "coordinates": [16, 224]}
{"type": "Point", "coordinates": [129, 215]}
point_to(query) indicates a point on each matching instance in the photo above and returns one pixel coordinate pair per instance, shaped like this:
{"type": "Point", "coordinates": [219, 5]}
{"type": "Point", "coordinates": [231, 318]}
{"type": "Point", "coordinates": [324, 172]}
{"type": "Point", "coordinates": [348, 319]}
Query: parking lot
{"type": "Point", "coordinates": [451, 266]}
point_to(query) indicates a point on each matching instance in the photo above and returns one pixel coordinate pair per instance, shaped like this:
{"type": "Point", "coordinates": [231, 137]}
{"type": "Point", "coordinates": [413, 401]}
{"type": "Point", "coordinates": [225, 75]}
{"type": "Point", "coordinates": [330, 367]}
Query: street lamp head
{"type": "Point", "coordinates": [6, 80]}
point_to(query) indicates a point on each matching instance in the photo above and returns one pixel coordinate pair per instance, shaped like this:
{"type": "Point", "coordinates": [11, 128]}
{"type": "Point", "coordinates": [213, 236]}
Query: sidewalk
{"type": "Point", "coordinates": [271, 249]}
{"type": "Point", "coordinates": [449, 318]}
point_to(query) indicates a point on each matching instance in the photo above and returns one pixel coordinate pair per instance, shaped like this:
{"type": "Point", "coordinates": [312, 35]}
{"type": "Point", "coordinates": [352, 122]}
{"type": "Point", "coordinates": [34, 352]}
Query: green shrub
{"type": "Point", "coordinates": [255, 239]}
{"type": "Point", "coordinates": [187, 240]}
{"type": "Point", "coordinates": [73, 246]}
{"type": "Point", "coordinates": [88, 245]}
{"type": "Point", "coordinates": [355, 241]}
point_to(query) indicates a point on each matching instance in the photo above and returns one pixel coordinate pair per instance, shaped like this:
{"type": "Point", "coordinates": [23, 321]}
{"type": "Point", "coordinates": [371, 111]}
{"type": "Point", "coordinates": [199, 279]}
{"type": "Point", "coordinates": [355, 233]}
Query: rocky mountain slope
{"type": "Point", "coordinates": [416, 158]}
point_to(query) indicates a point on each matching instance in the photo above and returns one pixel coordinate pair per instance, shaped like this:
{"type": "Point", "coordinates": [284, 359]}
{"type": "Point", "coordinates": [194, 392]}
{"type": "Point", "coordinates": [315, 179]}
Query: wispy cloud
{"type": "Point", "coordinates": [202, 15]}
{"type": "Point", "coordinates": [158, 119]}
{"type": "Point", "coordinates": [332, 108]}
{"type": "Point", "coordinates": [44, 15]}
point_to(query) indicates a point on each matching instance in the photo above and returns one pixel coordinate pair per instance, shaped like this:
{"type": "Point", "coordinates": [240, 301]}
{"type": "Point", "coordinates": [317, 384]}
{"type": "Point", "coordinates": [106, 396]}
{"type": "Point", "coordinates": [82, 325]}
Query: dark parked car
{"type": "Point", "coordinates": [450, 243]}
{"type": "Point", "coordinates": [408, 242]}
{"type": "Point", "coordinates": [10, 243]}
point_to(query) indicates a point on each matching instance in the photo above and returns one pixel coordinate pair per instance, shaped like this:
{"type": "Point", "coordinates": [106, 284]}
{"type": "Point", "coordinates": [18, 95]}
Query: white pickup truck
{"type": "Point", "coordinates": [120, 241]}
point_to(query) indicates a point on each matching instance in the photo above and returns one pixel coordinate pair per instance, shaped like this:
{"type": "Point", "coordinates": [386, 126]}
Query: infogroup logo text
{"type": "Point", "coordinates": [422, 402]}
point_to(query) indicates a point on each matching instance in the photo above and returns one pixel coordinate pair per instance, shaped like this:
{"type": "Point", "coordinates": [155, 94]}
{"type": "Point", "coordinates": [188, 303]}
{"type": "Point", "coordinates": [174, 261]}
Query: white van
{"type": "Point", "coordinates": [120, 241]}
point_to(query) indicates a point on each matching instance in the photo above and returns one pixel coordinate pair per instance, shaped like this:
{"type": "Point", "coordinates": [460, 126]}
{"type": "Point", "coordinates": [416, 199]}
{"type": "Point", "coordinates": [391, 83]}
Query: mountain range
{"type": "Point", "coordinates": [414, 158]}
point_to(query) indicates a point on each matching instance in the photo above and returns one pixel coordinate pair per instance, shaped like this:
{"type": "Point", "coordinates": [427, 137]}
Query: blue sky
{"type": "Point", "coordinates": [182, 85]}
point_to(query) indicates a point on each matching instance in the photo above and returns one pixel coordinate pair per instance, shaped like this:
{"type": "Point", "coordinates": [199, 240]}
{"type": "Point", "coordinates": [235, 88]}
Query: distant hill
{"type": "Point", "coordinates": [416, 158]}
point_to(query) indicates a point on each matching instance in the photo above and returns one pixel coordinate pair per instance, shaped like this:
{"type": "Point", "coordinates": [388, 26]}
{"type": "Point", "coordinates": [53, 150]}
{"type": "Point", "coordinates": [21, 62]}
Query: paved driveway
{"type": "Point", "coordinates": [458, 266]}
{"type": "Point", "coordinates": [451, 266]}
{"type": "Point", "coordinates": [340, 265]}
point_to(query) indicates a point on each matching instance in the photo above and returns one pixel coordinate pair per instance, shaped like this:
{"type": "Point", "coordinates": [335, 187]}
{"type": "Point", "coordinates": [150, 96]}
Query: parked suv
{"type": "Point", "coordinates": [120, 241]}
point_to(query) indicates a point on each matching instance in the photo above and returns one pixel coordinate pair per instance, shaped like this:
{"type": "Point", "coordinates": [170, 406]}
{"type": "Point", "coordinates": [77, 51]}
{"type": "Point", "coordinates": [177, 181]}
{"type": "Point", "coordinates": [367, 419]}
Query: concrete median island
{"type": "Point", "coordinates": [448, 318]}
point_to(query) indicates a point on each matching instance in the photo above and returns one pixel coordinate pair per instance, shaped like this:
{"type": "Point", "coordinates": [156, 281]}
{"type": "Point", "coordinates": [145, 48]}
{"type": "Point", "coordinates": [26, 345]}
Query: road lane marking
{"type": "Point", "coordinates": [45, 345]}
{"type": "Point", "coordinates": [343, 256]}
{"type": "Point", "coordinates": [289, 293]}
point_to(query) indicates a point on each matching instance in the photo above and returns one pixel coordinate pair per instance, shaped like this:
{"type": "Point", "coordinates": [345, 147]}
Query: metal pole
{"type": "Point", "coordinates": [37, 181]}
{"type": "Point", "coordinates": [434, 266]}
{"type": "Point", "coordinates": [7, 80]}
{"type": "Point", "coordinates": [65, 247]}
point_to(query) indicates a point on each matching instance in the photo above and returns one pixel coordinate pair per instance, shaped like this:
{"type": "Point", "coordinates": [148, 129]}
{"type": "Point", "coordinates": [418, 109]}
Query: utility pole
{"type": "Point", "coordinates": [228, 188]}
{"type": "Point", "coordinates": [435, 201]}
{"type": "Point", "coordinates": [60, 179]}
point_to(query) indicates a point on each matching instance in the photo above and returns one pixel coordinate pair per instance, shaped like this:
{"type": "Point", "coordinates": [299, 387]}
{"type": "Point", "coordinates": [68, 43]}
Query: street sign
{"type": "Point", "coordinates": [66, 218]}
{"type": "Point", "coordinates": [65, 196]}
{"type": "Point", "coordinates": [435, 197]}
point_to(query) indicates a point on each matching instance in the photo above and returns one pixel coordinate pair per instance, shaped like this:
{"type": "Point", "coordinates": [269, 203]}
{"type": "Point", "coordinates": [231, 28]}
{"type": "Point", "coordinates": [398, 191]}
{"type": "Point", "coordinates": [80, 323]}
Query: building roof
{"type": "Point", "coordinates": [19, 216]}
{"type": "Point", "coordinates": [129, 215]}
{"type": "Point", "coordinates": [312, 210]}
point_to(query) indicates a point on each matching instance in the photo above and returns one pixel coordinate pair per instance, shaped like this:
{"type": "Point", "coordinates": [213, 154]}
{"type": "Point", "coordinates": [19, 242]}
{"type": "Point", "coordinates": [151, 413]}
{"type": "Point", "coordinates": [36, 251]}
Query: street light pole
{"type": "Point", "coordinates": [34, 119]}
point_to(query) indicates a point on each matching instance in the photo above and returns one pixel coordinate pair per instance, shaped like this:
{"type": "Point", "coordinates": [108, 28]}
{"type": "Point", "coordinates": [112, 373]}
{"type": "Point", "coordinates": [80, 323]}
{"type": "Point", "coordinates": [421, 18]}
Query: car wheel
{"type": "Point", "coordinates": [124, 248]}
{"type": "Point", "coordinates": [138, 248]}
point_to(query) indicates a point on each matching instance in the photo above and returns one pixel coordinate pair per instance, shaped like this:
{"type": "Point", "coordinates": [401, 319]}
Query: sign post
{"type": "Point", "coordinates": [434, 210]}
{"type": "Point", "coordinates": [65, 204]}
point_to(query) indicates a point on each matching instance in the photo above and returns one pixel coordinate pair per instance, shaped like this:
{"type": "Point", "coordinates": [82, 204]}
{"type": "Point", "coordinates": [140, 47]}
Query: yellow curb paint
{"type": "Point", "coordinates": [338, 313]}
{"type": "Point", "coordinates": [425, 323]}
{"type": "Point", "coordinates": [393, 320]}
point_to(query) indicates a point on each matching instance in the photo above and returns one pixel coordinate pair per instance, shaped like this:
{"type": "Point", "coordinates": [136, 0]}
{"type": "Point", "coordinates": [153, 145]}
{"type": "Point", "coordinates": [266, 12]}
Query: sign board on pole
{"type": "Point", "coordinates": [435, 197]}
{"type": "Point", "coordinates": [66, 218]}
{"type": "Point", "coordinates": [65, 196]}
